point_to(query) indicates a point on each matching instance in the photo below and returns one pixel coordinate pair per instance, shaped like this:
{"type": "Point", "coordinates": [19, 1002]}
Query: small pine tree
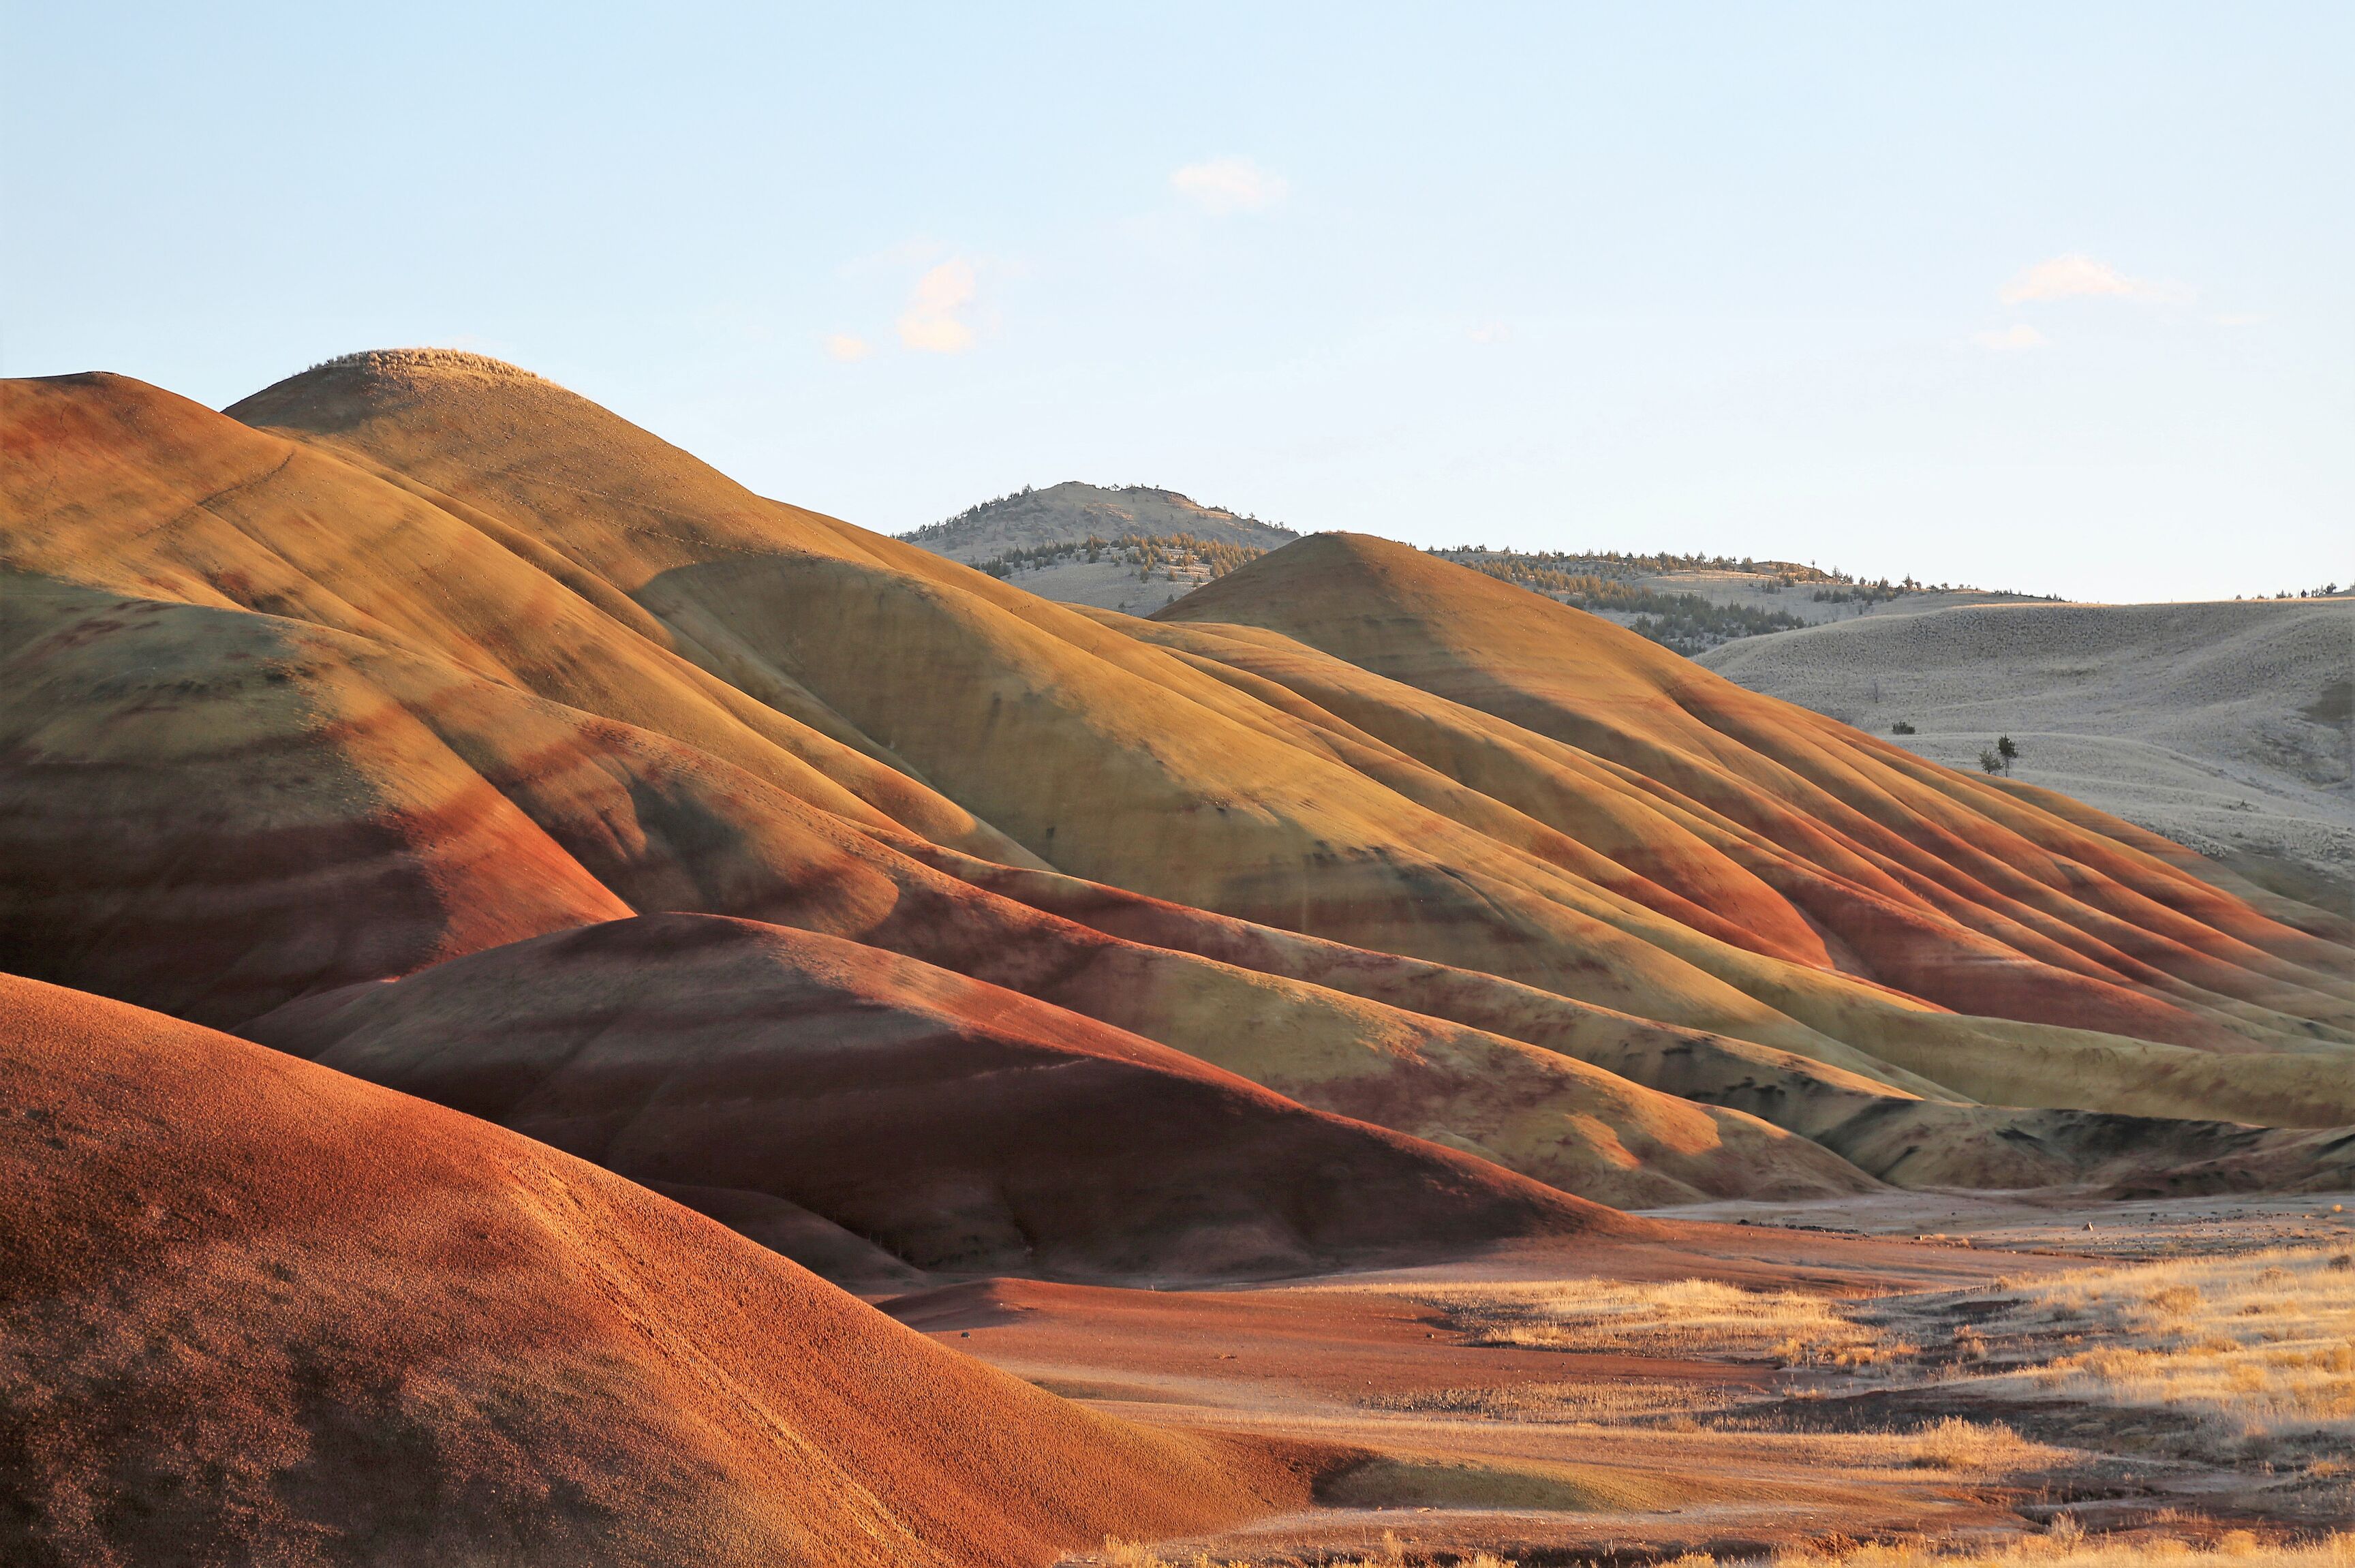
{"type": "Point", "coordinates": [1989, 762]}
{"type": "Point", "coordinates": [2006, 750]}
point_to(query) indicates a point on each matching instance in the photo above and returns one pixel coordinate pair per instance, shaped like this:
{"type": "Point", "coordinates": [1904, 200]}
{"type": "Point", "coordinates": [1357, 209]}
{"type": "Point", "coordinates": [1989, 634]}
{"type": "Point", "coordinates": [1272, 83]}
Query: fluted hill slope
{"type": "Point", "coordinates": [964, 1128]}
{"type": "Point", "coordinates": [1925, 878]}
{"type": "Point", "coordinates": [2224, 726]}
{"type": "Point", "coordinates": [259, 1311]}
{"type": "Point", "coordinates": [444, 658]}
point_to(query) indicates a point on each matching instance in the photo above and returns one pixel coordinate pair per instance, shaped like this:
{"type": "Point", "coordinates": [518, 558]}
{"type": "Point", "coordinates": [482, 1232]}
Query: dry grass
{"type": "Point", "coordinates": [1958, 1444]}
{"type": "Point", "coordinates": [2260, 1345]}
{"type": "Point", "coordinates": [1393, 1553]}
{"type": "Point", "coordinates": [1684, 1319]}
{"type": "Point", "coordinates": [2066, 1547]}
{"type": "Point", "coordinates": [1596, 1402]}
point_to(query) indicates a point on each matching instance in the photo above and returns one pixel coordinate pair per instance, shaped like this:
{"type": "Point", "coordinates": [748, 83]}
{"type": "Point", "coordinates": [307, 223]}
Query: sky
{"type": "Point", "coordinates": [2058, 298]}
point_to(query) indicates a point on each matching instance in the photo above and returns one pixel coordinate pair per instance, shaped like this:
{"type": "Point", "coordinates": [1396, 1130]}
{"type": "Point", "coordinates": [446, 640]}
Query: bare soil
{"type": "Point", "coordinates": [1455, 1445]}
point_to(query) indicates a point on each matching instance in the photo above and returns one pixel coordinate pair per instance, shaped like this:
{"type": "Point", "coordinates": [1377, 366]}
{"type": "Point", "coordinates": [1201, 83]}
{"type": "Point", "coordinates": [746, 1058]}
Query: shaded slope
{"type": "Point", "coordinates": [963, 1128]}
{"type": "Point", "coordinates": [256, 1310]}
{"type": "Point", "coordinates": [1937, 882]}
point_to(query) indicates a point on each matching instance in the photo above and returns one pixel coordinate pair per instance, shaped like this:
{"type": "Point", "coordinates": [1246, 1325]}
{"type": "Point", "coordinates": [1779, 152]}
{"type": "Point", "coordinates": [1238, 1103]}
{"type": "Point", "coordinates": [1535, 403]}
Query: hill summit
{"type": "Point", "coordinates": [1072, 513]}
{"type": "Point", "coordinates": [1134, 549]}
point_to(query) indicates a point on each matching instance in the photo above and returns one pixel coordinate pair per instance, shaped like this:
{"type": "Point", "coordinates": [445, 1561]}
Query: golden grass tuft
{"type": "Point", "coordinates": [1958, 1444]}
{"type": "Point", "coordinates": [1689, 1317]}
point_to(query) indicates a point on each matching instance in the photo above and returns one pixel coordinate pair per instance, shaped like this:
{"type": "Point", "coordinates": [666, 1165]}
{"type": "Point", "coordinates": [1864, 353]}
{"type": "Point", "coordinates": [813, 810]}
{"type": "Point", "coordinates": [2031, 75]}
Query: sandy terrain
{"type": "Point", "coordinates": [2222, 726]}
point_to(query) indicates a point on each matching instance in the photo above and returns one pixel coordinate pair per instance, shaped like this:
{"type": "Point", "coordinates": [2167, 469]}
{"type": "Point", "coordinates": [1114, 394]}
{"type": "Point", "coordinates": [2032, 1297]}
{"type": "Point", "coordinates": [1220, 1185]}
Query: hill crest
{"type": "Point", "coordinates": [1073, 512]}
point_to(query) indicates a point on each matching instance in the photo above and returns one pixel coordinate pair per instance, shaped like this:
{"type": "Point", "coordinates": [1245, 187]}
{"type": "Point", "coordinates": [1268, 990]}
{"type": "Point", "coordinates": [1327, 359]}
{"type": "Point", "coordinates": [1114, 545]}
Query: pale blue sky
{"type": "Point", "coordinates": [2058, 297]}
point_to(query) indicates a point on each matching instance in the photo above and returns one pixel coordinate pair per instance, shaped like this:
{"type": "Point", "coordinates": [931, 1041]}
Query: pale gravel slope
{"type": "Point", "coordinates": [2222, 726]}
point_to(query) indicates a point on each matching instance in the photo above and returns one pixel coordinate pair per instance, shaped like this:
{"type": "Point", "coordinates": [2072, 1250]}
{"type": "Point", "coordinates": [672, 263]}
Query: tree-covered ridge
{"type": "Point", "coordinates": [1169, 554]}
{"type": "Point", "coordinates": [1073, 512]}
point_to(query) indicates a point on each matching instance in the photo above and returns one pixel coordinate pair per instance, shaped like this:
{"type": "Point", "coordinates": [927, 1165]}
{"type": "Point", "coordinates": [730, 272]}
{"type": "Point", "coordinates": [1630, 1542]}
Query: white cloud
{"type": "Point", "coordinates": [2010, 340]}
{"type": "Point", "coordinates": [1229, 184]}
{"type": "Point", "coordinates": [929, 323]}
{"type": "Point", "coordinates": [2079, 276]}
{"type": "Point", "coordinates": [1490, 332]}
{"type": "Point", "coordinates": [846, 348]}
{"type": "Point", "coordinates": [2239, 318]}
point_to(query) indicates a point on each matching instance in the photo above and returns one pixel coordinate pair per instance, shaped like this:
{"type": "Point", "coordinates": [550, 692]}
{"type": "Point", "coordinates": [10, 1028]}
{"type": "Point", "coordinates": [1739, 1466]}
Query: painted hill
{"type": "Point", "coordinates": [2223, 727]}
{"type": "Point", "coordinates": [420, 656]}
{"type": "Point", "coordinates": [259, 1311]}
{"type": "Point", "coordinates": [962, 1127]}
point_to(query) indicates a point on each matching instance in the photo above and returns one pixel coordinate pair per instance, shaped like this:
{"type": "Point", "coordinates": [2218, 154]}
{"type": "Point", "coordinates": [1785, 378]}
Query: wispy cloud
{"type": "Point", "coordinates": [931, 324]}
{"type": "Point", "coordinates": [2240, 318]}
{"type": "Point", "coordinates": [2079, 276]}
{"type": "Point", "coordinates": [1490, 332]}
{"type": "Point", "coordinates": [2017, 339]}
{"type": "Point", "coordinates": [847, 347]}
{"type": "Point", "coordinates": [1229, 184]}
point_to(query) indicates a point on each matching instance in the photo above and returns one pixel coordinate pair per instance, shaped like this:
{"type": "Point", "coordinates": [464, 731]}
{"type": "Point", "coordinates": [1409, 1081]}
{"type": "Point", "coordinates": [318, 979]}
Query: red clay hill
{"type": "Point", "coordinates": [423, 719]}
{"type": "Point", "coordinates": [259, 1311]}
{"type": "Point", "coordinates": [421, 656]}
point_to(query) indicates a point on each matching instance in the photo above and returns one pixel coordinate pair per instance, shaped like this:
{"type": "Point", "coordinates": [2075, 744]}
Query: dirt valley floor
{"type": "Point", "coordinates": [1964, 1367]}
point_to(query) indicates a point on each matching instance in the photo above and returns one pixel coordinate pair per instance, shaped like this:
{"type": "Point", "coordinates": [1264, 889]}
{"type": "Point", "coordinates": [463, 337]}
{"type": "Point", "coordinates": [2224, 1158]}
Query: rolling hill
{"type": "Point", "coordinates": [2221, 727]}
{"type": "Point", "coordinates": [258, 1311]}
{"type": "Point", "coordinates": [415, 661]}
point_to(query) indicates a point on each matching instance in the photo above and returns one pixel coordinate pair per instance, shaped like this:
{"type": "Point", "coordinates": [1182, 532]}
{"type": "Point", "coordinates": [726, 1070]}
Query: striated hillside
{"type": "Point", "coordinates": [258, 1311]}
{"type": "Point", "coordinates": [2224, 727]}
{"type": "Point", "coordinates": [418, 658]}
{"type": "Point", "coordinates": [433, 726]}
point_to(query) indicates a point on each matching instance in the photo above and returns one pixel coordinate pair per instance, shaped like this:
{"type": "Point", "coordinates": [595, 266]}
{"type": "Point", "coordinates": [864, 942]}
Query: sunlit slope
{"type": "Point", "coordinates": [541, 608]}
{"type": "Point", "coordinates": [259, 1311]}
{"type": "Point", "coordinates": [1944, 885]}
{"type": "Point", "coordinates": [1100, 754]}
{"type": "Point", "coordinates": [213, 811]}
{"type": "Point", "coordinates": [115, 485]}
{"type": "Point", "coordinates": [2115, 1111]}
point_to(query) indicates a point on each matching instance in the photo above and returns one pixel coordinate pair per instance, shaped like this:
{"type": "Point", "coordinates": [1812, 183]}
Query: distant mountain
{"type": "Point", "coordinates": [1134, 549]}
{"type": "Point", "coordinates": [1073, 512]}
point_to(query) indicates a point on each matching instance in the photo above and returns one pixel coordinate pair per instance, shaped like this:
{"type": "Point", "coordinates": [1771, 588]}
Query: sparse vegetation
{"type": "Point", "coordinates": [1691, 1316]}
{"type": "Point", "coordinates": [1167, 554]}
{"type": "Point", "coordinates": [1901, 727]}
{"type": "Point", "coordinates": [1146, 493]}
{"type": "Point", "coordinates": [2066, 1545]}
{"type": "Point", "coordinates": [2256, 1346]}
